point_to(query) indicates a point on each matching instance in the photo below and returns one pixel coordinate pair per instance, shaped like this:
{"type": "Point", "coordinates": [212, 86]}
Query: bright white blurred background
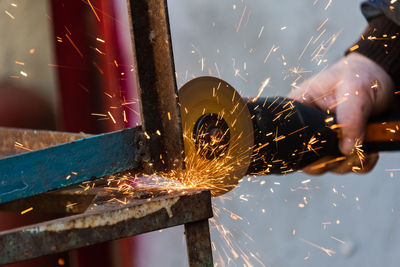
{"type": "Point", "coordinates": [349, 220]}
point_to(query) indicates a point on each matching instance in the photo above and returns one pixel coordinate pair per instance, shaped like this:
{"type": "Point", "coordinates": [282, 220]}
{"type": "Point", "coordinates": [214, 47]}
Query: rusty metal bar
{"type": "Point", "coordinates": [155, 76]}
{"type": "Point", "coordinates": [198, 244]}
{"type": "Point", "coordinates": [108, 221]}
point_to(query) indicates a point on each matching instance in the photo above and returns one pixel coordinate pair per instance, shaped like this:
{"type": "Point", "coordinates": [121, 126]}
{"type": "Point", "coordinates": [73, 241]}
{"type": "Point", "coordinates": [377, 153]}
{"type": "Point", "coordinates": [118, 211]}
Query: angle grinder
{"type": "Point", "coordinates": [274, 135]}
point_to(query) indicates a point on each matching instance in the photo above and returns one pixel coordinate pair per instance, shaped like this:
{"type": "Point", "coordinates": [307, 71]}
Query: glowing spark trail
{"type": "Point", "coordinates": [74, 45]}
{"type": "Point", "coordinates": [329, 3]}
{"type": "Point", "coordinates": [273, 49]}
{"type": "Point", "coordinates": [27, 210]}
{"type": "Point", "coordinates": [353, 48]}
{"type": "Point", "coordinates": [94, 11]}
{"type": "Point", "coordinates": [261, 89]}
{"type": "Point", "coordinates": [9, 14]}
{"type": "Point", "coordinates": [112, 118]}
{"type": "Point", "coordinates": [329, 252]}
{"type": "Point", "coordinates": [322, 24]}
{"type": "Point", "coordinates": [337, 239]}
{"type": "Point", "coordinates": [241, 19]}
{"type": "Point", "coordinates": [305, 48]}
{"type": "Point", "coordinates": [260, 33]}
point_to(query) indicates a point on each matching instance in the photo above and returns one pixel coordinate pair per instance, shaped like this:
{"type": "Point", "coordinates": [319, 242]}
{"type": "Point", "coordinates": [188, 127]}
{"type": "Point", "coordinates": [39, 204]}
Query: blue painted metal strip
{"type": "Point", "coordinates": [70, 163]}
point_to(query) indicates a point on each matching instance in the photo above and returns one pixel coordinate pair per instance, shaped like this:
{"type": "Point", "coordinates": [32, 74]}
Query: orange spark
{"type": "Point", "coordinates": [61, 261]}
{"type": "Point", "coordinates": [27, 210]}
{"type": "Point", "coordinates": [73, 44]}
{"type": "Point", "coordinates": [98, 68]}
{"type": "Point", "coordinates": [124, 115]}
{"type": "Point", "coordinates": [337, 239]}
{"type": "Point", "coordinates": [305, 48]}
{"type": "Point", "coordinates": [279, 138]}
{"type": "Point", "coordinates": [329, 252]}
{"type": "Point", "coordinates": [353, 48]}
{"type": "Point", "coordinates": [9, 14]}
{"type": "Point", "coordinates": [261, 89]}
{"type": "Point", "coordinates": [98, 114]}
{"type": "Point", "coordinates": [94, 11]}
{"type": "Point", "coordinates": [241, 19]}
{"type": "Point", "coordinates": [19, 145]}
{"type": "Point", "coordinates": [111, 116]}
{"type": "Point", "coordinates": [305, 127]}
{"type": "Point", "coordinates": [322, 24]}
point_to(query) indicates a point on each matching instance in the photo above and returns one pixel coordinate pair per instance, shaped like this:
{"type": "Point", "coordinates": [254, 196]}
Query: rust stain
{"type": "Point", "coordinates": [109, 218]}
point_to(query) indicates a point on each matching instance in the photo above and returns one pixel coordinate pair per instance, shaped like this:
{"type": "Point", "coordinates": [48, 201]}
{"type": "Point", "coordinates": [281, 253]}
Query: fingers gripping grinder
{"type": "Point", "coordinates": [272, 135]}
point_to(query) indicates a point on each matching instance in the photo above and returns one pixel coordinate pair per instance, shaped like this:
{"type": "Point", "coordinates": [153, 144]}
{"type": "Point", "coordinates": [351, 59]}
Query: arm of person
{"type": "Point", "coordinates": [360, 85]}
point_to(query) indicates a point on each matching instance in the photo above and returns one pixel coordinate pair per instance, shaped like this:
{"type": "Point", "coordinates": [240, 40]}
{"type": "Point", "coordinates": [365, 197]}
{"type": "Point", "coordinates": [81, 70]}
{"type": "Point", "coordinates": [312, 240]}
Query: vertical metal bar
{"type": "Point", "coordinates": [155, 75]}
{"type": "Point", "coordinates": [156, 83]}
{"type": "Point", "coordinates": [198, 244]}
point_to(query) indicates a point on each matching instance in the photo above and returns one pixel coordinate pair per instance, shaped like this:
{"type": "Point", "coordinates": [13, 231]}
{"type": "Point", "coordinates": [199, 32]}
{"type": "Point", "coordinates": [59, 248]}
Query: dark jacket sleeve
{"type": "Point", "coordinates": [374, 8]}
{"type": "Point", "coordinates": [381, 43]}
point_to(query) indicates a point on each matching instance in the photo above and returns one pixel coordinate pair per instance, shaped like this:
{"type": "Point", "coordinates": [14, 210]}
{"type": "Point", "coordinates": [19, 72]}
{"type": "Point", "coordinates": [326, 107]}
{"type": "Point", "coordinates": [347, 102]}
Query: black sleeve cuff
{"type": "Point", "coordinates": [381, 43]}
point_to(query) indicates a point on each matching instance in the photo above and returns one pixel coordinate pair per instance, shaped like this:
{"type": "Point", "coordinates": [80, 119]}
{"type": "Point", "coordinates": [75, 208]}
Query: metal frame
{"type": "Point", "coordinates": [113, 220]}
{"type": "Point", "coordinates": [155, 74]}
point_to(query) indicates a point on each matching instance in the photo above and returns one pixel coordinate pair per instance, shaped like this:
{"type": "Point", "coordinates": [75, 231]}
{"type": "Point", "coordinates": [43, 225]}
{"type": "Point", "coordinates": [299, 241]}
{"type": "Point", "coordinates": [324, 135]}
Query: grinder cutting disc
{"type": "Point", "coordinates": [218, 132]}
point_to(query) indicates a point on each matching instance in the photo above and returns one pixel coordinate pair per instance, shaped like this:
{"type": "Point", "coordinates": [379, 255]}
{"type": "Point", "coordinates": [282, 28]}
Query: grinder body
{"type": "Point", "coordinates": [289, 135]}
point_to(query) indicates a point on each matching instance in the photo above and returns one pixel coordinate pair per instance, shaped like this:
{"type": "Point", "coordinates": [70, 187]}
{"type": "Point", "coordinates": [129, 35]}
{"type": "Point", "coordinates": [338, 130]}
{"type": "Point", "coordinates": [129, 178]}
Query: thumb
{"type": "Point", "coordinates": [352, 112]}
{"type": "Point", "coordinates": [357, 100]}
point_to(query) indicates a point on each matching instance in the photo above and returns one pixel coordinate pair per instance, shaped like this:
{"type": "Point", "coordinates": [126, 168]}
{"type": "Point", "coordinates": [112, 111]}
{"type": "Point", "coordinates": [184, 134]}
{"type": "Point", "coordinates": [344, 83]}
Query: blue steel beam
{"type": "Point", "coordinates": [55, 167]}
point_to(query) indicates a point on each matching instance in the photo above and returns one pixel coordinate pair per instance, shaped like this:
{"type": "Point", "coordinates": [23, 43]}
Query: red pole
{"type": "Point", "coordinates": [97, 89]}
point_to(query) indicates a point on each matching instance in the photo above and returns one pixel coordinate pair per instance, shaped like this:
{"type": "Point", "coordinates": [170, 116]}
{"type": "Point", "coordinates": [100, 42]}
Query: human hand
{"type": "Point", "coordinates": [355, 88]}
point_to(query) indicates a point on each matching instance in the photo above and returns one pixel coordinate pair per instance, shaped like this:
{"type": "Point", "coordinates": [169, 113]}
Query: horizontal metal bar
{"type": "Point", "coordinates": [107, 222]}
{"type": "Point", "coordinates": [55, 167]}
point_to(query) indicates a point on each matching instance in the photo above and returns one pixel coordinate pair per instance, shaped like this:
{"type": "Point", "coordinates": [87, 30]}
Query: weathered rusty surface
{"type": "Point", "coordinates": [155, 75]}
{"type": "Point", "coordinates": [101, 224]}
{"type": "Point", "coordinates": [198, 244]}
{"type": "Point", "coordinates": [64, 201]}
{"type": "Point", "coordinates": [10, 138]}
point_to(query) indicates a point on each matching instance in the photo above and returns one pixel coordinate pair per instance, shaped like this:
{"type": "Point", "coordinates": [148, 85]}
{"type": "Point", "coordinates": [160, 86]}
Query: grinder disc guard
{"type": "Point", "coordinates": [210, 104]}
